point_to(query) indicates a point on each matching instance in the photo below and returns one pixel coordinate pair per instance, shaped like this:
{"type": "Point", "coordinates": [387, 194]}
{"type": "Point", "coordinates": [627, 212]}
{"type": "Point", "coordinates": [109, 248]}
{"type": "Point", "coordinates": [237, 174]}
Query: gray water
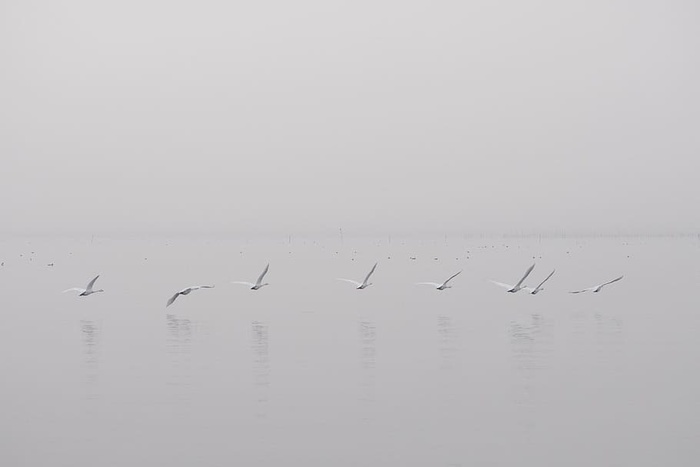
{"type": "Point", "coordinates": [311, 372]}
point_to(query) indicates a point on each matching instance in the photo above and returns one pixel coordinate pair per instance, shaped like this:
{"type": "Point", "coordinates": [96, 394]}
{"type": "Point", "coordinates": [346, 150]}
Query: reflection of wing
{"type": "Point", "coordinates": [260, 279]}
{"type": "Point", "coordinates": [172, 299]}
{"type": "Point", "coordinates": [451, 277]}
{"type": "Point", "coordinates": [76, 289]}
{"type": "Point", "coordinates": [542, 283]}
{"type": "Point", "coordinates": [505, 286]}
{"type": "Point", "coordinates": [527, 273]}
{"type": "Point", "coordinates": [370, 273]}
{"type": "Point", "coordinates": [610, 282]}
{"type": "Point", "coordinates": [92, 282]}
{"type": "Point", "coordinates": [351, 281]}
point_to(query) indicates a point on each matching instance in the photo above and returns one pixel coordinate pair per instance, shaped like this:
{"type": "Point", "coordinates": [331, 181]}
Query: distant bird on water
{"type": "Point", "coordinates": [259, 283]}
{"type": "Point", "coordinates": [597, 288]}
{"type": "Point", "coordinates": [519, 286]}
{"type": "Point", "coordinates": [539, 288]}
{"type": "Point", "coordinates": [442, 286]}
{"type": "Point", "coordinates": [87, 291]}
{"type": "Point", "coordinates": [364, 284]}
{"type": "Point", "coordinates": [186, 292]}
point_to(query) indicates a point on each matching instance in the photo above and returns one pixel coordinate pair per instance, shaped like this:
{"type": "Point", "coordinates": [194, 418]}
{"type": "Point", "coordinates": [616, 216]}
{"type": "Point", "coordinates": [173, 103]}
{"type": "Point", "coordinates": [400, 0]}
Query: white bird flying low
{"type": "Point", "coordinates": [539, 288]}
{"type": "Point", "coordinates": [597, 288]}
{"type": "Point", "coordinates": [519, 285]}
{"type": "Point", "coordinates": [442, 286]}
{"type": "Point", "coordinates": [364, 284]}
{"type": "Point", "coordinates": [87, 291]}
{"type": "Point", "coordinates": [259, 283]}
{"type": "Point", "coordinates": [186, 292]}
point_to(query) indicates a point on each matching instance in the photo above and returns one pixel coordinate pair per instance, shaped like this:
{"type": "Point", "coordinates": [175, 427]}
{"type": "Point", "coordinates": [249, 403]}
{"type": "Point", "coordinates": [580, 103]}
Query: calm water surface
{"type": "Point", "coordinates": [311, 372]}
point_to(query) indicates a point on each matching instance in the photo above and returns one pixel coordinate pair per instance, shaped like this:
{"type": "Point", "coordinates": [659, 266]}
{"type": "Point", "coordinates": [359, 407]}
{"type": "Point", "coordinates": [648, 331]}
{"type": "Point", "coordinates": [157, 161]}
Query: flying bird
{"type": "Point", "coordinates": [364, 284]}
{"type": "Point", "coordinates": [539, 288]}
{"type": "Point", "coordinates": [186, 292]}
{"type": "Point", "coordinates": [517, 287]}
{"type": "Point", "coordinates": [87, 291]}
{"type": "Point", "coordinates": [442, 286]}
{"type": "Point", "coordinates": [597, 288]}
{"type": "Point", "coordinates": [259, 283]}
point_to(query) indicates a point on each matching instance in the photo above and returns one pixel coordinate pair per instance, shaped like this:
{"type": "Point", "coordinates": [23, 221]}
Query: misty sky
{"type": "Point", "coordinates": [376, 116]}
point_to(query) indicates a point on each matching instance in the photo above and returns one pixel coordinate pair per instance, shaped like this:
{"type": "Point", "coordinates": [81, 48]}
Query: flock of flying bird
{"type": "Point", "coordinates": [258, 284]}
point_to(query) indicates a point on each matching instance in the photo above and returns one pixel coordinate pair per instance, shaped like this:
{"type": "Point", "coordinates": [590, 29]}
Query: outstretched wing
{"type": "Point", "coordinates": [172, 299]}
{"type": "Point", "coordinates": [451, 277]}
{"type": "Point", "coordinates": [610, 282]}
{"type": "Point", "coordinates": [72, 289]}
{"type": "Point", "coordinates": [249, 284]}
{"type": "Point", "coordinates": [92, 282]}
{"type": "Point", "coordinates": [197, 287]}
{"type": "Point", "coordinates": [434, 284]}
{"type": "Point", "coordinates": [542, 283]}
{"type": "Point", "coordinates": [527, 273]}
{"type": "Point", "coordinates": [260, 279]}
{"type": "Point", "coordinates": [582, 290]}
{"type": "Point", "coordinates": [505, 286]}
{"type": "Point", "coordinates": [350, 280]}
{"type": "Point", "coordinates": [370, 273]}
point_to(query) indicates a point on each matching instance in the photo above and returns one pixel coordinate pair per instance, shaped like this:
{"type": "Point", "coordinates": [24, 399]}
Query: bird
{"type": "Point", "coordinates": [364, 284]}
{"type": "Point", "coordinates": [539, 288]}
{"type": "Point", "coordinates": [186, 292]}
{"type": "Point", "coordinates": [597, 288]}
{"type": "Point", "coordinates": [259, 283]}
{"type": "Point", "coordinates": [517, 287]}
{"type": "Point", "coordinates": [86, 291]}
{"type": "Point", "coordinates": [442, 286]}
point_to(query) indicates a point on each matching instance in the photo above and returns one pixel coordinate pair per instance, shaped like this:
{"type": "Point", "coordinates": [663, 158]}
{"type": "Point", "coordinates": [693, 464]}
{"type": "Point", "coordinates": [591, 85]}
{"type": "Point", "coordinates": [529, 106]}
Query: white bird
{"type": "Point", "coordinates": [186, 292]}
{"type": "Point", "coordinates": [259, 283]}
{"type": "Point", "coordinates": [442, 286]}
{"type": "Point", "coordinates": [518, 286]}
{"type": "Point", "coordinates": [597, 288]}
{"type": "Point", "coordinates": [364, 284]}
{"type": "Point", "coordinates": [87, 291]}
{"type": "Point", "coordinates": [539, 288]}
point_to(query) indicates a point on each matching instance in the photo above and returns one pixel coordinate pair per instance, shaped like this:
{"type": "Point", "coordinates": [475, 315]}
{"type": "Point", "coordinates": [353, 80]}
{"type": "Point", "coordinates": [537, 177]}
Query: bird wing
{"type": "Point", "coordinates": [91, 283]}
{"type": "Point", "coordinates": [244, 283]}
{"type": "Point", "coordinates": [542, 283]}
{"type": "Point", "coordinates": [582, 290]}
{"type": "Point", "coordinates": [505, 286]}
{"type": "Point", "coordinates": [197, 287]}
{"type": "Point", "coordinates": [76, 289]}
{"type": "Point", "coordinates": [370, 273]}
{"type": "Point", "coordinates": [351, 281]}
{"type": "Point", "coordinates": [610, 282]}
{"type": "Point", "coordinates": [172, 299]}
{"type": "Point", "coordinates": [527, 273]}
{"type": "Point", "coordinates": [429, 283]}
{"type": "Point", "coordinates": [260, 279]}
{"type": "Point", "coordinates": [451, 277]}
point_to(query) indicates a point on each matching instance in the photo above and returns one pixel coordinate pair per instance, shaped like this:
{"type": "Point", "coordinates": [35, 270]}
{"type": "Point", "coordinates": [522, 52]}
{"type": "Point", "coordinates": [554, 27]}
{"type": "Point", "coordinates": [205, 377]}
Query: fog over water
{"type": "Point", "coordinates": [310, 371]}
{"type": "Point", "coordinates": [378, 117]}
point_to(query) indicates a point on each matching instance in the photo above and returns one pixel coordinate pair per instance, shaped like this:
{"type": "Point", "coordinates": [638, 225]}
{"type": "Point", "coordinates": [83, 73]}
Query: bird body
{"type": "Point", "coordinates": [441, 286]}
{"type": "Point", "coordinates": [539, 288]}
{"type": "Point", "coordinates": [519, 286]}
{"type": "Point", "coordinates": [364, 284]}
{"type": "Point", "coordinates": [187, 291]}
{"type": "Point", "coordinates": [86, 291]}
{"type": "Point", "coordinates": [597, 288]}
{"type": "Point", "coordinates": [259, 283]}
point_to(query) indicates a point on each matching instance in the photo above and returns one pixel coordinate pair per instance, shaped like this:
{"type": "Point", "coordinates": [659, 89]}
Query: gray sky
{"type": "Point", "coordinates": [377, 116]}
